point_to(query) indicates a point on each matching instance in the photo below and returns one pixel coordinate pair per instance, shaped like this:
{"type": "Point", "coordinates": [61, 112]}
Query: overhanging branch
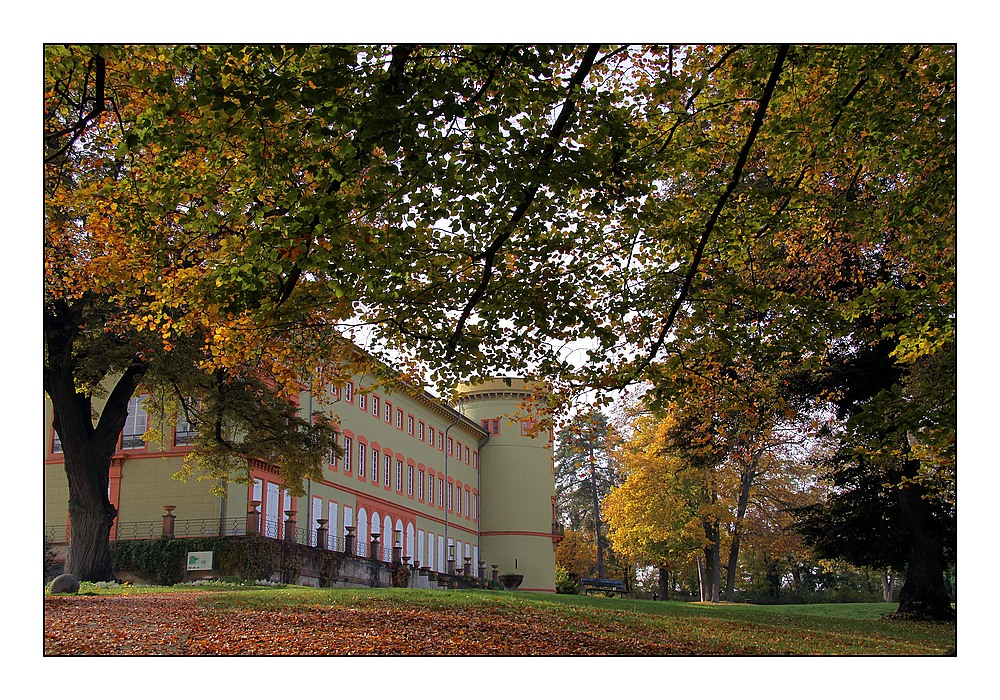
{"type": "Point", "coordinates": [699, 252]}
{"type": "Point", "coordinates": [488, 256]}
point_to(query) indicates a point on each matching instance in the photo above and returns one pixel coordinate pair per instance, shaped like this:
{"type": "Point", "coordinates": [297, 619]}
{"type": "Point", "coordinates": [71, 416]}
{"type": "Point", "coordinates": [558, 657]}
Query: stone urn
{"type": "Point", "coordinates": [511, 581]}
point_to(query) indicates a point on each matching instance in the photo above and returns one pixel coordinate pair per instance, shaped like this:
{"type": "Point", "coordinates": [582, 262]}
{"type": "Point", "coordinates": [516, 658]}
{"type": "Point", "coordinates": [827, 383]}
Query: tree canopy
{"type": "Point", "coordinates": [261, 211]}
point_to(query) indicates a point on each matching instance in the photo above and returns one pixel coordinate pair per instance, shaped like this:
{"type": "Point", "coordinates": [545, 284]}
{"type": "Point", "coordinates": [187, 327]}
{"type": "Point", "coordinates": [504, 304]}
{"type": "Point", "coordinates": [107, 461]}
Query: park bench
{"type": "Point", "coordinates": [602, 585]}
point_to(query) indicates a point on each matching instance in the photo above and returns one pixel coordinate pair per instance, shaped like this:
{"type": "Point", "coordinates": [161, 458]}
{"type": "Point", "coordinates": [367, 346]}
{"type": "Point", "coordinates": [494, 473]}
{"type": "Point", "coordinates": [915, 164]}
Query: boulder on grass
{"type": "Point", "coordinates": [65, 583]}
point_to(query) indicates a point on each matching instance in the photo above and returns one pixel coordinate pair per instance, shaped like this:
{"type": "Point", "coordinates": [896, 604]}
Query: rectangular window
{"type": "Point", "coordinates": [317, 513]}
{"type": "Point", "coordinates": [56, 442]}
{"type": "Point", "coordinates": [333, 453]}
{"type": "Point", "coordinates": [135, 424]}
{"type": "Point", "coordinates": [409, 481]}
{"type": "Point", "coordinates": [451, 487]}
{"type": "Point", "coordinates": [430, 436]}
{"type": "Point", "coordinates": [420, 431]}
{"type": "Point", "coordinates": [451, 445]}
{"type": "Point", "coordinates": [399, 418]}
{"type": "Point", "coordinates": [361, 460]}
{"type": "Point", "coordinates": [375, 406]}
{"type": "Point", "coordinates": [184, 433]}
{"type": "Point", "coordinates": [349, 392]}
{"type": "Point", "coordinates": [491, 425]}
{"type": "Point", "coordinates": [334, 532]}
{"type": "Point", "coordinates": [475, 505]}
{"type": "Point", "coordinates": [347, 454]}
{"type": "Point", "coordinates": [441, 441]}
{"type": "Point", "coordinates": [409, 425]}
{"type": "Point", "coordinates": [527, 427]}
{"type": "Point", "coordinates": [466, 455]}
{"type": "Point", "coordinates": [361, 401]}
{"type": "Point", "coordinates": [475, 459]}
{"type": "Point", "coordinates": [374, 465]}
{"type": "Point", "coordinates": [420, 485]}
{"type": "Point", "coordinates": [440, 498]}
{"type": "Point", "coordinates": [387, 477]}
{"type": "Point", "coordinates": [467, 495]}
{"type": "Point", "coordinates": [388, 412]}
{"type": "Point", "coordinates": [399, 476]}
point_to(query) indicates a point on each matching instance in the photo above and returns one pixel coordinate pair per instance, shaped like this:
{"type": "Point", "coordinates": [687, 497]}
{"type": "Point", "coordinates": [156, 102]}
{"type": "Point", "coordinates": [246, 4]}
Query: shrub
{"type": "Point", "coordinates": [566, 582]}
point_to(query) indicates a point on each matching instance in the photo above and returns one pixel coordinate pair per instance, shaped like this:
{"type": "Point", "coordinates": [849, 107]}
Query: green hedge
{"type": "Point", "coordinates": [162, 561]}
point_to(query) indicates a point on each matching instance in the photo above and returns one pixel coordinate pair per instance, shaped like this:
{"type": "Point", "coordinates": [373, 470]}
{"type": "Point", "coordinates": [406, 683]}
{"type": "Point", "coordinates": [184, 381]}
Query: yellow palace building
{"type": "Point", "coordinates": [462, 482]}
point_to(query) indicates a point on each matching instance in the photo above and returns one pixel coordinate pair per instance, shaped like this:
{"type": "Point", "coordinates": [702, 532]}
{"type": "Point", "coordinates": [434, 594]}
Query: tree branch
{"type": "Point", "coordinates": [488, 256]}
{"type": "Point", "coordinates": [734, 181]}
{"type": "Point", "coordinates": [76, 130]}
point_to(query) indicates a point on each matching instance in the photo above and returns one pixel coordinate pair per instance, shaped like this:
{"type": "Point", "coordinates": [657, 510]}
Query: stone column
{"type": "Point", "coordinates": [253, 518]}
{"type": "Point", "coordinates": [467, 567]}
{"type": "Point", "coordinates": [397, 548]}
{"type": "Point", "coordinates": [168, 522]}
{"type": "Point", "coordinates": [482, 569]}
{"type": "Point", "coordinates": [290, 526]}
{"type": "Point", "coordinates": [321, 532]}
{"type": "Point", "coordinates": [495, 576]}
{"type": "Point", "coordinates": [373, 554]}
{"type": "Point", "coordinates": [349, 547]}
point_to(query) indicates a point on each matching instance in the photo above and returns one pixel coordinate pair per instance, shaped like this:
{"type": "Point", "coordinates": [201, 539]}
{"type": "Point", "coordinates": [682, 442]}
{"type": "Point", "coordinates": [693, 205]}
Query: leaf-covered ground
{"type": "Point", "coordinates": [321, 622]}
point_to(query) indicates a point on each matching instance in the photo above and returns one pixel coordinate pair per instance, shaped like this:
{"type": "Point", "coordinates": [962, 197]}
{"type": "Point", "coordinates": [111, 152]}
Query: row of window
{"type": "Point", "coordinates": [385, 468]}
{"type": "Point", "coordinates": [412, 426]}
{"type": "Point", "coordinates": [492, 426]}
{"type": "Point", "coordinates": [426, 548]}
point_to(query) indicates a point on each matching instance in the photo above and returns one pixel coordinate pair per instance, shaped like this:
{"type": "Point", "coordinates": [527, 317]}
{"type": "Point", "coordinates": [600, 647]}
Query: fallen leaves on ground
{"type": "Point", "coordinates": [176, 624]}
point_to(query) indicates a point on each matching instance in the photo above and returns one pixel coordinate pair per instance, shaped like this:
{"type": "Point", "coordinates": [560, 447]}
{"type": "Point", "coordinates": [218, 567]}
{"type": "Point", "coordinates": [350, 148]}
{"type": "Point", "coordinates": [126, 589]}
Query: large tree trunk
{"type": "Point", "coordinates": [87, 453]}
{"type": "Point", "coordinates": [716, 567]}
{"type": "Point", "coordinates": [923, 594]}
{"type": "Point", "coordinates": [746, 482]}
{"type": "Point", "coordinates": [87, 449]}
{"type": "Point", "coordinates": [663, 582]}
{"type": "Point", "coordinates": [710, 585]}
{"type": "Point", "coordinates": [702, 580]}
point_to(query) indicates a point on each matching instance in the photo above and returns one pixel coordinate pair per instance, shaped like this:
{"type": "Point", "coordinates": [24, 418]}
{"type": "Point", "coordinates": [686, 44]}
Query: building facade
{"type": "Point", "coordinates": [465, 483]}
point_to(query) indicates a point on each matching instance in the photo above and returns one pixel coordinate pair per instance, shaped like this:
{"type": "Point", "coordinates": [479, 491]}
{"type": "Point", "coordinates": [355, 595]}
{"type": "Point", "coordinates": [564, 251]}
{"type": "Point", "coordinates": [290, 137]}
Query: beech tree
{"type": "Point", "coordinates": [239, 211]}
{"type": "Point", "coordinates": [478, 208]}
{"type": "Point", "coordinates": [654, 516]}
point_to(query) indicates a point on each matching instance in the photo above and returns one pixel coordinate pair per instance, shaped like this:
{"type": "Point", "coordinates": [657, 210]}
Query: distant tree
{"type": "Point", "coordinates": [577, 554]}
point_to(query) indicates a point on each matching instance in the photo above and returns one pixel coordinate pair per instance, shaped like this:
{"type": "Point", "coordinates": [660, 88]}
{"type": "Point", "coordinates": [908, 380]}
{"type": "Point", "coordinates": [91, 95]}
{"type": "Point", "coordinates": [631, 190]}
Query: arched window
{"type": "Point", "coordinates": [387, 535]}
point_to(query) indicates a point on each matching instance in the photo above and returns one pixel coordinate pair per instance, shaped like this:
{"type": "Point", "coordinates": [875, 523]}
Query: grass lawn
{"type": "Point", "coordinates": [308, 621]}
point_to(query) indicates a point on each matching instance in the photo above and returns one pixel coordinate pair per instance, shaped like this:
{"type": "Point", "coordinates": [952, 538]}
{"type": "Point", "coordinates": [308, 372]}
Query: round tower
{"type": "Point", "coordinates": [517, 484]}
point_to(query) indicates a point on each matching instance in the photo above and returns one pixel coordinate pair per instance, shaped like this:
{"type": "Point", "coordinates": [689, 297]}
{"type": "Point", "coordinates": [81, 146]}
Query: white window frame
{"type": "Point", "coordinates": [136, 411]}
